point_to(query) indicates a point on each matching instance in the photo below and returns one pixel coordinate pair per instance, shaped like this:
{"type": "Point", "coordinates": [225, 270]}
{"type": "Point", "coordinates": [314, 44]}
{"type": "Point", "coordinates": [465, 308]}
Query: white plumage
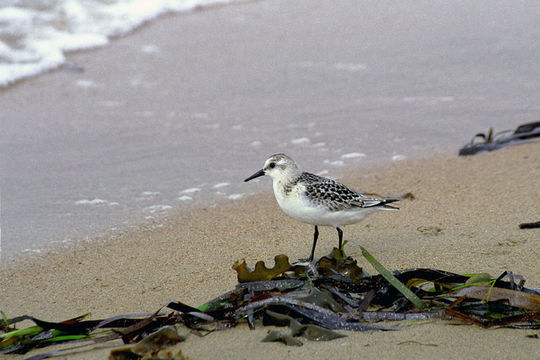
{"type": "Point", "coordinates": [317, 200]}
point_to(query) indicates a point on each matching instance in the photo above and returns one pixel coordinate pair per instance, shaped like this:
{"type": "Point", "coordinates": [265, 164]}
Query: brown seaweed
{"type": "Point", "coordinates": [310, 332]}
{"type": "Point", "coordinates": [313, 299]}
{"type": "Point", "coordinates": [150, 345]}
{"type": "Point", "coordinates": [261, 272]}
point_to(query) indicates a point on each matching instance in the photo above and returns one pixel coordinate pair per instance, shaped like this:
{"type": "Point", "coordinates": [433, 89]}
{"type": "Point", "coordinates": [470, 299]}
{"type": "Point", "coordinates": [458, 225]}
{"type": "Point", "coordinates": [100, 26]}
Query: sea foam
{"type": "Point", "coordinates": [36, 34]}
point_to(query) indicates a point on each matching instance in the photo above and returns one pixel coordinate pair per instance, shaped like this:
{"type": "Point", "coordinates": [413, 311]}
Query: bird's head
{"type": "Point", "coordinates": [278, 167]}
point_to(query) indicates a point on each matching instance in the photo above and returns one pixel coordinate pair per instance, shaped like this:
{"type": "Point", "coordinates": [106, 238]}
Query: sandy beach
{"type": "Point", "coordinates": [476, 203]}
{"type": "Point", "coordinates": [100, 159]}
{"type": "Point", "coordinates": [191, 100]}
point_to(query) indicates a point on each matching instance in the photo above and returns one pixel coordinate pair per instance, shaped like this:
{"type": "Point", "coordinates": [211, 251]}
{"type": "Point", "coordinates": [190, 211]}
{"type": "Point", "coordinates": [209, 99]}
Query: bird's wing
{"type": "Point", "coordinates": [329, 193]}
{"type": "Point", "coordinates": [336, 196]}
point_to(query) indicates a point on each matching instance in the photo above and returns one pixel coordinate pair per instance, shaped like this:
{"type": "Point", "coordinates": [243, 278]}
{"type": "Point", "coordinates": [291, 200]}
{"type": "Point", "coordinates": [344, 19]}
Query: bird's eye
{"type": "Point", "coordinates": [272, 165]}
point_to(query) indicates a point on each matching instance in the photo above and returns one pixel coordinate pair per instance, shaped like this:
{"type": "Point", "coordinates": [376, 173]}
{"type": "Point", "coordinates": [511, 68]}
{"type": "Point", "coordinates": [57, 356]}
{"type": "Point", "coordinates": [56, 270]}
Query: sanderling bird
{"type": "Point", "coordinates": [317, 200]}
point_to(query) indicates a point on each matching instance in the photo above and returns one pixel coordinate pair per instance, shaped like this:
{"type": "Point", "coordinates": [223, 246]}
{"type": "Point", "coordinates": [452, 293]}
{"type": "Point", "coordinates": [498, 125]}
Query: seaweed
{"type": "Point", "coordinates": [261, 272]}
{"type": "Point", "coordinates": [313, 299]}
{"type": "Point", "coordinates": [492, 141]}
{"type": "Point", "coordinates": [309, 331]}
{"type": "Point", "coordinates": [531, 225]}
{"type": "Point", "coordinates": [151, 344]}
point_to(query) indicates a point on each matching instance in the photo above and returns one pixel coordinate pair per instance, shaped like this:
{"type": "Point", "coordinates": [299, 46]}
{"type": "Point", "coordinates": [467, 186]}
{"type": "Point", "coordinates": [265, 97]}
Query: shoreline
{"type": "Point", "coordinates": [139, 222]}
{"type": "Point", "coordinates": [189, 258]}
{"type": "Point", "coordinates": [217, 91]}
{"type": "Point", "coordinates": [208, 95]}
{"type": "Point", "coordinates": [57, 247]}
{"type": "Point", "coordinates": [466, 223]}
{"type": "Point", "coordinates": [262, 206]}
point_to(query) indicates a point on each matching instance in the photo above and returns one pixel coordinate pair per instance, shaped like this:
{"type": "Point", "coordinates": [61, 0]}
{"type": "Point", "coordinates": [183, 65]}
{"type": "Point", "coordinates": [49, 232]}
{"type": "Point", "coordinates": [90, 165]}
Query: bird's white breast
{"type": "Point", "coordinates": [297, 205]}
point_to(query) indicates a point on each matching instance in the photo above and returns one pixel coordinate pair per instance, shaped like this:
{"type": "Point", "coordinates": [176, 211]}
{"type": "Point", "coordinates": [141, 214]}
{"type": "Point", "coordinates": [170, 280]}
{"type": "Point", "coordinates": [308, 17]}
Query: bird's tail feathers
{"type": "Point", "coordinates": [381, 202]}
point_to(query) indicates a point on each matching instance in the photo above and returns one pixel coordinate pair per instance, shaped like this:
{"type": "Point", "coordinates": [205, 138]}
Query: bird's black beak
{"type": "Point", "coordinates": [256, 175]}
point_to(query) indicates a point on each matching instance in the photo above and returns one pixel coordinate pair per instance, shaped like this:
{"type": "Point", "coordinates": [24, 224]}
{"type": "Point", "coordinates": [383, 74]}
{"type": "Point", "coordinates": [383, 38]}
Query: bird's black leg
{"type": "Point", "coordinates": [315, 237]}
{"type": "Point", "coordinates": [340, 235]}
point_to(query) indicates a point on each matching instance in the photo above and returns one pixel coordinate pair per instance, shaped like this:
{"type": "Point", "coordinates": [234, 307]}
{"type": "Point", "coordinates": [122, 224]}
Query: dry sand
{"type": "Point", "coordinates": [476, 202]}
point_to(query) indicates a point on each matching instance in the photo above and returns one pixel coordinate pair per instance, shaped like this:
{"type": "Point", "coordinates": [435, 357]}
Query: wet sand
{"type": "Point", "coordinates": [216, 92]}
{"type": "Point", "coordinates": [471, 208]}
{"type": "Point", "coordinates": [193, 100]}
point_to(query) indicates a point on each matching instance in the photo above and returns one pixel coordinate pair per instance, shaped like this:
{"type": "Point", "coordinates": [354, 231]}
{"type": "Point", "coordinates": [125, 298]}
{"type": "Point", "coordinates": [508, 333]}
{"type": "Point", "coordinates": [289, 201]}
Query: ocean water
{"type": "Point", "coordinates": [175, 115]}
{"type": "Point", "coordinates": [36, 34]}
